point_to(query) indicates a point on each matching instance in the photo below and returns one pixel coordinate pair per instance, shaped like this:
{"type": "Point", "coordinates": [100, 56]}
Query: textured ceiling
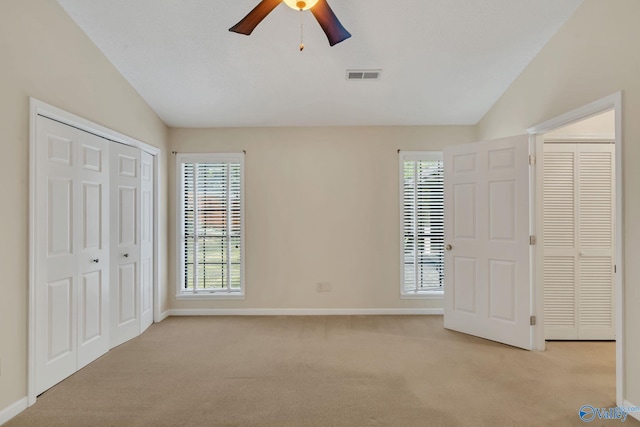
{"type": "Point", "coordinates": [443, 61]}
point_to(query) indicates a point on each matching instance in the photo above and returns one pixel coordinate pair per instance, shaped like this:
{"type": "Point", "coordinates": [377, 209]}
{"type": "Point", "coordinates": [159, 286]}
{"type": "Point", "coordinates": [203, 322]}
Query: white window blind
{"type": "Point", "coordinates": [211, 224]}
{"type": "Point", "coordinates": [422, 222]}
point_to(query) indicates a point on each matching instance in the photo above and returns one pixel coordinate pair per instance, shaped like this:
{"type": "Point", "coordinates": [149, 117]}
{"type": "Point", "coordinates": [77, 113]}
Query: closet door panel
{"type": "Point", "coordinates": [560, 263]}
{"type": "Point", "coordinates": [93, 252]}
{"type": "Point", "coordinates": [147, 240]}
{"type": "Point", "coordinates": [596, 213]}
{"type": "Point", "coordinates": [55, 272]}
{"type": "Point", "coordinates": [125, 244]}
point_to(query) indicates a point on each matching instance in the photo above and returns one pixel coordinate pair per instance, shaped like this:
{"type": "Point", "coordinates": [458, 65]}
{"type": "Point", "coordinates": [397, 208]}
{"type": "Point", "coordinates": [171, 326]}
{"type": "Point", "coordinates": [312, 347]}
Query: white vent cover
{"type": "Point", "coordinates": [363, 74]}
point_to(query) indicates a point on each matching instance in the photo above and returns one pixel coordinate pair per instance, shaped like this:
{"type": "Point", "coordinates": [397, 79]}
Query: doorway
{"type": "Point", "coordinates": [538, 133]}
{"type": "Point", "coordinates": [578, 216]}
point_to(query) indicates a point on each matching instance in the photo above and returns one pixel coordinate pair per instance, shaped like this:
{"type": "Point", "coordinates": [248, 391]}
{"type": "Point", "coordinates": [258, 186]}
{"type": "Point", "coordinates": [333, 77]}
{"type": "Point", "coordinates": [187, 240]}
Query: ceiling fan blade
{"type": "Point", "coordinates": [329, 22]}
{"type": "Point", "coordinates": [253, 18]}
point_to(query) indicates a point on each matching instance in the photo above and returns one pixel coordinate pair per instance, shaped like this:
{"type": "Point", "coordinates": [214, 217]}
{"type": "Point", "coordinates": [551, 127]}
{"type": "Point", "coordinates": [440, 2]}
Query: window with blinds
{"type": "Point", "coordinates": [211, 225]}
{"type": "Point", "coordinates": [422, 223]}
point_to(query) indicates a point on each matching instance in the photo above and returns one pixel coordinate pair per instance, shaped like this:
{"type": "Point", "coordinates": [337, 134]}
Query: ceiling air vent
{"type": "Point", "coordinates": [363, 74]}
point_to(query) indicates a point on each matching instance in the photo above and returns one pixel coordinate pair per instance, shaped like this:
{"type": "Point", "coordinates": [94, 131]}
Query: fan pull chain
{"type": "Point", "coordinates": [301, 30]}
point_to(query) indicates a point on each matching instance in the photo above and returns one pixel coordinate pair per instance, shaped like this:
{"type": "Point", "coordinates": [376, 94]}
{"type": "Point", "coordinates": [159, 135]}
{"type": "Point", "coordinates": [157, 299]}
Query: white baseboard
{"type": "Point", "coordinates": [634, 414]}
{"type": "Point", "coordinates": [303, 311]}
{"type": "Point", "coordinates": [162, 316]}
{"type": "Point", "coordinates": [12, 410]}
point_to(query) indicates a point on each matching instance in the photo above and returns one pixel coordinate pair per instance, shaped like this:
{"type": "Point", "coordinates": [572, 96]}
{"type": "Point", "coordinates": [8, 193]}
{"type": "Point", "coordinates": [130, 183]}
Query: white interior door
{"type": "Point", "coordinates": [93, 248]}
{"type": "Point", "coordinates": [578, 254]}
{"type": "Point", "coordinates": [146, 240]}
{"type": "Point", "coordinates": [93, 217]}
{"type": "Point", "coordinates": [125, 244]}
{"type": "Point", "coordinates": [72, 274]}
{"type": "Point", "coordinates": [487, 256]}
{"type": "Point", "coordinates": [56, 270]}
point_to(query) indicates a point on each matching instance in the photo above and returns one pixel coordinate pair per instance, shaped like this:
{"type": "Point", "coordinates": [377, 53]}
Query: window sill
{"type": "Point", "coordinates": [424, 295]}
{"type": "Point", "coordinates": [211, 296]}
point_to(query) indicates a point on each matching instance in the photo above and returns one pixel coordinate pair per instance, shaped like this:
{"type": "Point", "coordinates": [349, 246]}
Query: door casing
{"type": "Point", "coordinates": [536, 140]}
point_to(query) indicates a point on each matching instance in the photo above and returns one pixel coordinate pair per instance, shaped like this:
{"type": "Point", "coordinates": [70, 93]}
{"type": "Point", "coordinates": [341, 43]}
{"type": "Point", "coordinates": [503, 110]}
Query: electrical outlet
{"type": "Point", "coordinates": [323, 287]}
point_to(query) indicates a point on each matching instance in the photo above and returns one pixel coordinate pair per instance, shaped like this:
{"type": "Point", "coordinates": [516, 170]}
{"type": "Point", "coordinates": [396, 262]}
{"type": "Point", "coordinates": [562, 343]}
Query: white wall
{"type": "Point", "coordinates": [45, 55]}
{"type": "Point", "coordinates": [322, 205]}
{"type": "Point", "coordinates": [594, 55]}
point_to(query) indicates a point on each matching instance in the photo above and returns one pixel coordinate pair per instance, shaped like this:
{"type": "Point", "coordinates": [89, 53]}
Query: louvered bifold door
{"type": "Point", "coordinates": [578, 241]}
{"type": "Point", "coordinates": [560, 248]}
{"type": "Point", "coordinates": [596, 242]}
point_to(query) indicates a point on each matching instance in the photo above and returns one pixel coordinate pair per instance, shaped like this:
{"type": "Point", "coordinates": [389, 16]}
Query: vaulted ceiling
{"type": "Point", "coordinates": [442, 61]}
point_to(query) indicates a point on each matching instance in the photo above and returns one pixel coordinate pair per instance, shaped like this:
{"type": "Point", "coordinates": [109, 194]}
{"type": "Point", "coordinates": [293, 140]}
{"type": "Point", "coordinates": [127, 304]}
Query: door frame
{"type": "Point", "coordinates": [536, 138]}
{"type": "Point", "coordinates": [40, 108]}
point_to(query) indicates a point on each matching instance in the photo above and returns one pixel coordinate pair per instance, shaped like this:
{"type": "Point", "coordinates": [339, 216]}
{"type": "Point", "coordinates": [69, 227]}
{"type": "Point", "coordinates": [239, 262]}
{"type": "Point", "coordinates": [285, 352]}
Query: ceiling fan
{"type": "Point", "coordinates": [319, 8]}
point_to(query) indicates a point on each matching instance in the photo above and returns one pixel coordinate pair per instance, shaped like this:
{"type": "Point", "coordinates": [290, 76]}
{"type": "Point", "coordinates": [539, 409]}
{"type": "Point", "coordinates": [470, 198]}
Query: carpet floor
{"type": "Point", "coordinates": [328, 371]}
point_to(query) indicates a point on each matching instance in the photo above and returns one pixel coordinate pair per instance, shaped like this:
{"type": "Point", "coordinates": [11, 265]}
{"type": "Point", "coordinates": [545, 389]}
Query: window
{"type": "Point", "coordinates": [211, 225]}
{"type": "Point", "coordinates": [422, 223]}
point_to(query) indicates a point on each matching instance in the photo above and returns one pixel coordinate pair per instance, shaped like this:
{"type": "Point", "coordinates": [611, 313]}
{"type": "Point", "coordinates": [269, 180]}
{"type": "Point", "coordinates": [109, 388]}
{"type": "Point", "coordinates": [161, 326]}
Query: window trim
{"type": "Point", "coordinates": [206, 158]}
{"type": "Point", "coordinates": [402, 157]}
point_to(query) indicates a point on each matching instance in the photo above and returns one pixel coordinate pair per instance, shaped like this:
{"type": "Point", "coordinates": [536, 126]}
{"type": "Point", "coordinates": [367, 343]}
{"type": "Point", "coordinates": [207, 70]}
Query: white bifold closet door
{"type": "Point", "coordinates": [94, 247]}
{"type": "Point", "coordinates": [72, 241]}
{"type": "Point", "coordinates": [132, 242]}
{"type": "Point", "coordinates": [125, 244]}
{"type": "Point", "coordinates": [578, 217]}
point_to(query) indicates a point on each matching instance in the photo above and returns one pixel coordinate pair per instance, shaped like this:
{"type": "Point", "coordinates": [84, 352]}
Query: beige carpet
{"type": "Point", "coordinates": [329, 371]}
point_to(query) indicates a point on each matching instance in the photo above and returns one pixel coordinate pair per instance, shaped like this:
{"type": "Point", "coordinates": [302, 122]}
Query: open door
{"type": "Point", "coordinates": [487, 261]}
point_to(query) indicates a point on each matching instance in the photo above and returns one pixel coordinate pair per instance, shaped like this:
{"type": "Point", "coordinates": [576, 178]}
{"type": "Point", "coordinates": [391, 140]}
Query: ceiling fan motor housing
{"type": "Point", "coordinates": [300, 4]}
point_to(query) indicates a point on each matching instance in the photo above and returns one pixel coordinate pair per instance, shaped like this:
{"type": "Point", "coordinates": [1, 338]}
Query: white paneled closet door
{"type": "Point", "coordinates": [125, 244]}
{"type": "Point", "coordinates": [93, 248]}
{"type": "Point", "coordinates": [71, 273]}
{"type": "Point", "coordinates": [578, 215]}
{"type": "Point", "coordinates": [146, 240]}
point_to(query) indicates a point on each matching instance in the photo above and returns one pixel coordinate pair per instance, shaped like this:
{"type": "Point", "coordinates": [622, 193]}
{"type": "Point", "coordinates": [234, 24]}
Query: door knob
{"type": "Point", "coordinates": [126, 255]}
{"type": "Point", "coordinates": [95, 260]}
{"type": "Point", "coordinates": [448, 247]}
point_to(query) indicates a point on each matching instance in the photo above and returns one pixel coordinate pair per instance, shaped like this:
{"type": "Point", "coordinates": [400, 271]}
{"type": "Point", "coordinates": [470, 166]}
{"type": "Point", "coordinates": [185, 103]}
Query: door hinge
{"type": "Point", "coordinates": [615, 268]}
{"type": "Point", "coordinates": [532, 240]}
{"type": "Point", "coordinates": [532, 321]}
{"type": "Point", "coordinates": [532, 159]}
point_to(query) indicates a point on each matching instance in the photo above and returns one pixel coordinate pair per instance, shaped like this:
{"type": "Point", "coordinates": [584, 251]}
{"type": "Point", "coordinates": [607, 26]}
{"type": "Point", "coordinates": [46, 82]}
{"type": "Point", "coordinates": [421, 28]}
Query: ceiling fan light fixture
{"type": "Point", "coordinates": [300, 4]}
{"type": "Point", "coordinates": [320, 10]}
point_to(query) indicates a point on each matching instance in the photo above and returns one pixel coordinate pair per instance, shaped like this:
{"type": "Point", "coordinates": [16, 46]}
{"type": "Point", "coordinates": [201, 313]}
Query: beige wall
{"type": "Point", "coordinates": [601, 126]}
{"type": "Point", "coordinates": [44, 55]}
{"type": "Point", "coordinates": [322, 205]}
{"type": "Point", "coordinates": [594, 55]}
